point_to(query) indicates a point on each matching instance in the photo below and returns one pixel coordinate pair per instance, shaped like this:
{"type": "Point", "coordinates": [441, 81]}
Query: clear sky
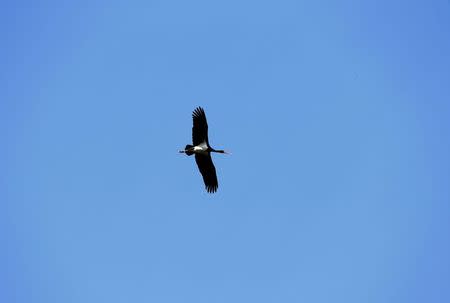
{"type": "Point", "coordinates": [337, 115]}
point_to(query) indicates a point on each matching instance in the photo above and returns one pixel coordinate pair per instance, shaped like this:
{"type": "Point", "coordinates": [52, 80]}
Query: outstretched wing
{"type": "Point", "coordinates": [208, 171]}
{"type": "Point", "coordinates": [200, 127]}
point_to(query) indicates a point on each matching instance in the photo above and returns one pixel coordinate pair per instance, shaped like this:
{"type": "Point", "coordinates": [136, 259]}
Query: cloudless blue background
{"type": "Point", "coordinates": [336, 113]}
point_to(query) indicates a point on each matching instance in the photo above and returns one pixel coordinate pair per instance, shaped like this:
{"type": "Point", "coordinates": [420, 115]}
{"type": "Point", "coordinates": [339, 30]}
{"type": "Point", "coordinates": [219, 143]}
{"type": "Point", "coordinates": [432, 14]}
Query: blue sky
{"type": "Point", "coordinates": [336, 113]}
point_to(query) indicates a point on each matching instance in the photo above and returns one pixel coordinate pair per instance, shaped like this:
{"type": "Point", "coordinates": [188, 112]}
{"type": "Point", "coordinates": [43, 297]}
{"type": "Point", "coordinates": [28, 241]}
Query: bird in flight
{"type": "Point", "coordinates": [202, 150]}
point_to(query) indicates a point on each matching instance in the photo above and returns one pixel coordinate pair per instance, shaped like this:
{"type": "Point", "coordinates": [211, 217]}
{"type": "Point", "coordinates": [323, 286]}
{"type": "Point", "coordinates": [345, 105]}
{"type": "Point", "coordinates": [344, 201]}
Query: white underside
{"type": "Point", "coordinates": [201, 148]}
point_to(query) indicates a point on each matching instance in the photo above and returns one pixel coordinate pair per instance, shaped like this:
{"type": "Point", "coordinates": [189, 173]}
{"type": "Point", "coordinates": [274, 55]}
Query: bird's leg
{"type": "Point", "coordinates": [189, 150]}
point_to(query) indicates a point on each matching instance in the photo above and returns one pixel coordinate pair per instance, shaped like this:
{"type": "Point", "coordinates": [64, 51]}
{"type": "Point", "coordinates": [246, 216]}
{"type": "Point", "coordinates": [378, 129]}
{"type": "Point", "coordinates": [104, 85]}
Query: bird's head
{"type": "Point", "coordinates": [221, 151]}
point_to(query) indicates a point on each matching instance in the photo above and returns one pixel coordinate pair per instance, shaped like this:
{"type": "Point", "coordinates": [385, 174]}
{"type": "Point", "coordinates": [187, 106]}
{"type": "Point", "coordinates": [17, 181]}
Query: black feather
{"type": "Point", "coordinates": [200, 127]}
{"type": "Point", "coordinates": [208, 171]}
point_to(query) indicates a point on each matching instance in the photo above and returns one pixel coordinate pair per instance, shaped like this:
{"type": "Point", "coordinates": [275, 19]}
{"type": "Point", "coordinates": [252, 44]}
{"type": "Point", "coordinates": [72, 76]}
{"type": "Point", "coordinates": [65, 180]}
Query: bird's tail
{"type": "Point", "coordinates": [188, 150]}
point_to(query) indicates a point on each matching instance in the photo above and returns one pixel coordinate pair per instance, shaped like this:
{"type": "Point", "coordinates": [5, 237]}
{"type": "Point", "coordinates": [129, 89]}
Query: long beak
{"type": "Point", "coordinates": [227, 152]}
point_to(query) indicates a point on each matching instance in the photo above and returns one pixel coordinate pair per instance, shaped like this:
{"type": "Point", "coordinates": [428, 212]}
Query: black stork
{"type": "Point", "coordinates": [203, 150]}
